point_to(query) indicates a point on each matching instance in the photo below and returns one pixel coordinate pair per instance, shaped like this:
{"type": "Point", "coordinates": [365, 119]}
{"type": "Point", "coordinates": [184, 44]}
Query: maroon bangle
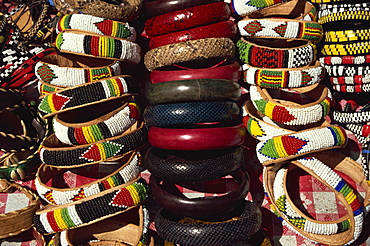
{"type": "Point", "coordinates": [187, 18]}
{"type": "Point", "coordinates": [196, 138]}
{"type": "Point", "coordinates": [350, 80]}
{"type": "Point", "coordinates": [226, 70]}
{"type": "Point", "coordinates": [222, 29]}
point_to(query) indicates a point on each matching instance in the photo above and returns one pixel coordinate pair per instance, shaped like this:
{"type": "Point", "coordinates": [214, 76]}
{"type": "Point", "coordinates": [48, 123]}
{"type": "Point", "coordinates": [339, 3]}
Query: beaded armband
{"type": "Point", "coordinates": [351, 117]}
{"type": "Point", "coordinates": [356, 48]}
{"type": "Point", "coordinates": [283, 78]}
{"type": "Point", "coordinates": [345, 11]}
{"type": "Point", "coordinates": [347, 35]}
{"type": "Point", "coordinates": [350, 80]}
{"type": "Point", "coordinates": [98, 25]}
{"type": "Point", "coordinates": [352, 88]}
{"type": "Point", "coordinates": [59, 196]}
{"type": "Point", "coordinates": [337, 70]}
{"type": "Point", "coordinates": [244, 7]}
{"type": "Point", "coordinates": [345, 60]}
{"type": "Point", "coordinates": [78, 42]}
{"type": "Point", "coordinates": [267, 57]}
{"type": "Point", "coordinates": [103, 205]}
{"type": "Point", "coordinates": [87, 94]}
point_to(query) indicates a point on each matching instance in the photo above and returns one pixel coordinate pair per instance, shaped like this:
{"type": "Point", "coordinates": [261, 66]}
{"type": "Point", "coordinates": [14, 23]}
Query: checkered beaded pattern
{"type": "Point", "coordinates": [347, 35]}
{"type": "Point", "coordinates": [355, 48]}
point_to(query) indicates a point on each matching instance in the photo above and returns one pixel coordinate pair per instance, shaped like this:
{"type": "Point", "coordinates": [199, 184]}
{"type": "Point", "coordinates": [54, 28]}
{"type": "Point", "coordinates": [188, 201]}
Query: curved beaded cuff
{"type": "Point", "coordinates": [267, 57]}
{"type": "Point", "coordinates": [109, 125]}
{"type": "Point", "coordinates": [334, 70]}
{"type": "Point", "coordinates": [103, 205]}
{"type": "Point", "coordinates": [127, 172]}
{"type": "Point", "coordinates": [61, 70]}
{"type": "Point", "coordinates": [353, 117]}
{"type": "Point", "coordinates": [281, 28]}
{"type": "Point", "coordinates": [356, 48]}
{"type": "Point", "coordinates": [55, 153]}
{"type": "Point", "coordinates": [296, 114]}
{"type": "Point", "coordinates": [345, 11]}
{"type": "Point", "coordinates": [283, 78]}
{"type": "Point", "coordinates": [350, 80]}
{"type": "Point", "coordinates": [345, 60]}
{"type": "Point", "coordinates": [98, 25]}
{"type": "Point", "coordinates": [347, 35]}
{"type": "Point", "coordinates": [352, 88]}
{"type": "Point", "coordinates": [86, 94]}
{"type": "Point", "coordinates": [85, 44]}
{"type": "Point", "coordinates": [244, 7]}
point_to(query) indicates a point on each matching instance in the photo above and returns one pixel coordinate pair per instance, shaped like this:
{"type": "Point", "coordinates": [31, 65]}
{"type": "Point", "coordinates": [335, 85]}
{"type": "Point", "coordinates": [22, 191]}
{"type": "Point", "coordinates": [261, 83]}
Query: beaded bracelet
{"type": "Point", "coordinates": [351, 117]}
{"type": "Point", "coordinates": [346, 11]}
{"type": "Point", "coordinates": [338, 70]}
{"type": "Point", "coordinates": [128, 170]}
{"type": "Point", "coordinates": [289, 113]}
{"type": "Point", "coordinates": [355, 48]}
{"type": "Point", "coordinates": [87, 44]}
{"type": "Point", "coordinates": [345, 60]}
{"type": "Point", "coordinates": [350, 80]}
{"type": "Point", "coordinates": [244, 7]}
{"type": "Point", "coordinates": [268, 57]}
{"type": "Point", "coordinates": [57, 154]}
{"type": "Point", "coordinates": [68, 70]}
{"type": "Point", "coordinates": [347, 35]}
{"type": "Point", "coordinates": [105, 204]}
{"type": "Point", "coordinates": [98, 25]}
{"type": "Point", "coordinates": [87, 94]}
{"type": "Point", "coordinates": [281, 28]}
{"type": "Point", "coordinates": [283, 78]}
{"type": "Point", "coordinates": [352, 88]}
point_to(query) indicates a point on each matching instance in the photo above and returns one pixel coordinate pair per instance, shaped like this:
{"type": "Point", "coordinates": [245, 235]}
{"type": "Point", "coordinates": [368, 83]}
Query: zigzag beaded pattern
{"type": "Point", "coordinates": [244, 7]}
{"type": "Point", "coordinates": [108, 204]}
{"type": "Point", "coordinates": [335, 71]}
{"type": "Point", "coordinates": [123, 175]}
{"type": "Point", "coordinates": [356, 48]}
{"type": "Point", "coordinates": [348, 60]}
{"type": "Point", "coordinates": [347, 35]}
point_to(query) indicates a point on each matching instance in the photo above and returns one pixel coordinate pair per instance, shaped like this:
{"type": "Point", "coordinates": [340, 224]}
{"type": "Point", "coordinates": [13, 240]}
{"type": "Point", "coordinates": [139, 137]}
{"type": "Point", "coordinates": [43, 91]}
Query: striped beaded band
{"type": "Point", "coordinates": [98, 25]}
{"type": "Point", "coordinates": [355, 48]}
{"type": "Point", "coordinates": [350, 80]}
{"type": "Point", "coordinates": [352, 88]}
{"type": "Point", "coordinates": [345, 60]}
{"type": "Point", "coordinates": [53, 69]}
{"type": "Point", "coordinates": [292, 115]}
{"type": "Point", "coordinates": [347, 35]}
{"type": "Point", "coordinates": [283, 78]}
{"type": "Point", "coordinates": [346, 11]}
{"type": "Point", "coordinates": [77, 42]}
{"type": "Point", "coordinates": [338, 70]}
{"type": "Point", "coordinates": [103, 205]}
{"type": "Point", "coordinates": [281, 28]}
{"type": "Point", "coordinates": [267, 57]}
{"type": "Point", "coordinates": [244, 7]}
{"type": "Point", "coordinates": [58, 196]}
{"type": "Point", "coordinates": [55, 153]}
{"type": "Point", "coordinates": [109, 125]}
{"type": "Point", "coordinates": [87, 94]}
{"type": "Point", "coordinates": [352, 117]}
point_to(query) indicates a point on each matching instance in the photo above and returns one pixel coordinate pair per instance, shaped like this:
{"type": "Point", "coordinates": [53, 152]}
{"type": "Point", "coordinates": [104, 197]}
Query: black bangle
{"type": "Point", "coordinates": [193, 166]}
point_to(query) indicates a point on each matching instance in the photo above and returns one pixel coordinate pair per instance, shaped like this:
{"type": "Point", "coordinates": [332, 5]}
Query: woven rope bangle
{"type": "Point", "coordinates": [268, 57]}
{"type": "Point", "coordinates": [352, 88]}
{"type": "Point", "coordinates": [128, 170]}
{"type": "Point", "coordinates": [57, 154]}
{"type": "Point", "coordinates": [284, 29]}
{"type": "Point", "coordinates": [98, 25]}
{"type": "Point", "coordinates": [338, 70]}
{"type": "Point", "coordinates": [17, 221]}
{"type": "Point", "coordinates": [87, 94]}
{"type": "Point", "coordinates": [10, 99]}
{"type": "Point", "coordinates": [103, 205]}
{"type": "Point", "coordinates": [86, 44]}
{"type": "Point", "coordinates": [347, 35]}
{"type": "Point", "coordinates": [61, 69]}
{"type": "Point", "coordinates": [356, 48]}
{"type": "Point", "coordinates": [192, 50]}
{"type": "Point", "coordinates": [345, 60]}
{"type": "Point", "coordinates": [283, 78]}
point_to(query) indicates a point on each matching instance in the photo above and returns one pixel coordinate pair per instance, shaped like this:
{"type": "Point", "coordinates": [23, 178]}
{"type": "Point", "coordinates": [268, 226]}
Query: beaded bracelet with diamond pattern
{"type": "Point", "coordinates": [94, 45]}
{"type": "Point", "coordinates": [350, 80]}
{"type": "Point", "coordinates": [345, 60]}
{"type": "Point", "coordinates": [98, 25]}
{"type": "Point", "coordinates": [281, 28]}
{"type": "Point", "coordinates": [267, 57]}
{"type": "Point", "coordinates": [105, 204]}
{"type": "Point", "coordinates": [126, 172]}
{"type": "Point", "coordinates": [289, 114]}
{"type": "Point", "coordinates": [355, 48]}
{"type": "Point", "coordinates": [86, 94]}
{"type": "Point", "coordinates": [283, 78]}
{"type": "Point", "coordinates": [347, 70]}
{"type": "Point", "coordinates": [352, 88]}
{"type": "Point", "coordinates": [347, 35]}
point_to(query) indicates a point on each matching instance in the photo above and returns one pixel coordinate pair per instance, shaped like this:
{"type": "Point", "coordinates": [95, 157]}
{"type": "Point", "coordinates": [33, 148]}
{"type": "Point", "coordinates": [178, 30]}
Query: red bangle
{"type": "Point", "coordinates": [350, 80]}
{"type": "Point", "coordinates": [227, 70]}
{"type": "Point", "coordinates": [222, 29]}
{"type": "Point", "coordinates": [187, 18]}
{"type": "Point", "coordinates": [196, 138]}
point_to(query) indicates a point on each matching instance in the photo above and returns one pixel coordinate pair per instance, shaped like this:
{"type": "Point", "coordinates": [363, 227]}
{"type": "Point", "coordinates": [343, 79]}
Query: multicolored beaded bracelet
{"type": "Point", "coordinates": [347, 35]}
{"type": "Point", "coordinates": [355, 48]}
{"type": "Point", "coordinates": [68, 70]}
{"type": "Point", "coordinates": [339, 12]}
{"type": "Point", "coordinates": [55, 153]}
{"type": "Point", "coordinates": [350, 80]}
{"type": "Point", "coordinates": [283, 78]}
{"type": "Point", "coordinates": [98, 25]}
{"type": "Point", "coordinates": [87, 94]}
{"type": "Point", "coordinates": [105, 204]}
{"type": "Point", "coordinates": [268, 57]}
{"type": "Point", "coordinates": [347, 70]}
{"type": "Point", "coordinates": [289, 113]}
{"type": "Point", "coordinates": [128, 170]}
{"type": "Point", "coordinates": [281, 28]}
{"type": "Point", "coordinates": [345, 60]}
{"type": "Point", "coordinates": [87, 44]}
{"type": "Point", "coordinates": [352, 88]}
{"type": "Point", "coordinates": [244, 7]}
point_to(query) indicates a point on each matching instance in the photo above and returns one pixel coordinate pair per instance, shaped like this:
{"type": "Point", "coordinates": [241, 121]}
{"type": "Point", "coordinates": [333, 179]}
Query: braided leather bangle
{"type": "Point", "coordinates": [196, 138]}
{"type": "Point", "coordinates": [352, 88]}
{"type": "Point", "coordinates": [68, 70]}
{"type": "Point", "coordinates": [187, 18]}
{"type": "Point", "coordinates": [240, 224]}
{"type": "Point", "coordinates": [10, 99]}
{"type": "Point", "coordinates": [355, 48]}
{"type": "Point", "coordinates": [269, 57]}
{"type": "Point", "coordinates": [350, 80]}
{"type": "Point", "coordinates": [193, 166]}
{"type": "Point", "coordinates": [338, 70]}
{"type": "Point", "coordinates": [98, 25]}
{"type": "Point", "coordinates": [283, 78]}
{"type": "Point", "coordinates": [87, 94]}
{"type": "Point", "coordinates": [226, 70]}
{"type": "Point", "coordinates": [347, 35]}
{"type": "Point", "coordinates": [87, 44]}
{"type": "Point", "coordinates": [103, 205]}
{"type": "Point", "coordinates": [192, 50]}
{"type": "Point", "coordinates": [127, 170]}
{"type": "Point", "coordinates": [342, 60]}
{"type": "Point", "coordinates": [57, 154]}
